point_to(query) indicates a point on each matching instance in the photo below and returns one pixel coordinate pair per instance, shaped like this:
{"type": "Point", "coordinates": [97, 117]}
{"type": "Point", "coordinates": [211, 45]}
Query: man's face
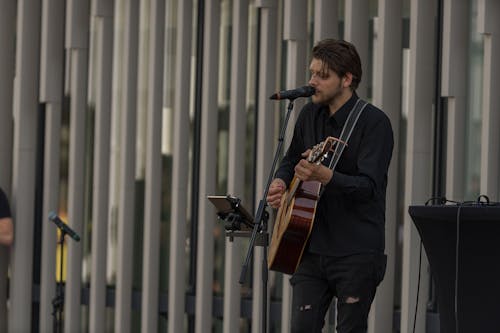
{"type": "Point", "coordinates": [329, 86]}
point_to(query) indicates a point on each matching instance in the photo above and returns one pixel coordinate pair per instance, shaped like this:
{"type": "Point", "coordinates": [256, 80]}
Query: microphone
{"type": "Point", "coordinates": [63, 226]}
{"type": "Point", "coordinates": [304, 91]}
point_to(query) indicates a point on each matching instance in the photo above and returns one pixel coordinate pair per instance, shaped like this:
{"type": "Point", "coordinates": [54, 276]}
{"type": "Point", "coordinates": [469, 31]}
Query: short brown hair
{"type": "Point", "coordinates": [341, 57]}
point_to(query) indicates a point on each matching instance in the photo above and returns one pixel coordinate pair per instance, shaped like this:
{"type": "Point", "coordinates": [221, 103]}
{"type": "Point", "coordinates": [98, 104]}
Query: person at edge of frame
{"type": "Point", "coordinates": [6, 225]}
{"type": "Point", "coordinates": [344, 256]}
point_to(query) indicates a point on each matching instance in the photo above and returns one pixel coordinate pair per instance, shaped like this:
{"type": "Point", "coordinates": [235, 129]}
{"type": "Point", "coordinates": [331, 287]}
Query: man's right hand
{"type": "Point", "coordinates": [276, 190]}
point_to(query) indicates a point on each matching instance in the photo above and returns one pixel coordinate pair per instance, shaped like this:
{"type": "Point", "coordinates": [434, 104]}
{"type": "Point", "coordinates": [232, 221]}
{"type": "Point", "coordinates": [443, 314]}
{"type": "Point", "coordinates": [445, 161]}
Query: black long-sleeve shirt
{"type": "Point", "coordinates": [350, 216]}
{"type": "Point", "coordinates": [4, 205]}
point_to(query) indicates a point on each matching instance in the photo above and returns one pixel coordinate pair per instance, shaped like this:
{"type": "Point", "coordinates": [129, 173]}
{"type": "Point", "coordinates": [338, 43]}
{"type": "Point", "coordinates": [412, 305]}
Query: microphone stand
{"type": "Point", "coordinates": [260, 225]}
{"type": "Point", "coordinates": [58, 300]}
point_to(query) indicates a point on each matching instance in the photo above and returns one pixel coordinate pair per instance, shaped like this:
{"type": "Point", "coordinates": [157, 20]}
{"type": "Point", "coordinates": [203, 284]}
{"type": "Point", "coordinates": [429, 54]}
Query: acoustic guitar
{"type": "Point", "coordinates": [295, 217]}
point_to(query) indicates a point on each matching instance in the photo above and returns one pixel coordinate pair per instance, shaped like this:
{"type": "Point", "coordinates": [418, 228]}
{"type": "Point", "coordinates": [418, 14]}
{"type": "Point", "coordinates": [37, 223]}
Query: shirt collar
{"type": "Point", "coordinates": [341, 115]}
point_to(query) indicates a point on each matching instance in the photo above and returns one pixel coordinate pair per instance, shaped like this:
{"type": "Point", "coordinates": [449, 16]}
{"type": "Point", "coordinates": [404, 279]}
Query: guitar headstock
{"type": "Point", "coordinates": [320, 151]}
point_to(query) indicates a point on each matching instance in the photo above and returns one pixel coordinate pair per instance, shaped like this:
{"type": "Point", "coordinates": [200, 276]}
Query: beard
{"type": "Point", "coordinates": [326, 98]}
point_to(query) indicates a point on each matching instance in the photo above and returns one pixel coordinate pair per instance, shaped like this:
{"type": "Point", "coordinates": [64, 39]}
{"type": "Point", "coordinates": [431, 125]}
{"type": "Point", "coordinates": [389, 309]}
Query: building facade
{"type": "Point", "coordinates": [123, 116]}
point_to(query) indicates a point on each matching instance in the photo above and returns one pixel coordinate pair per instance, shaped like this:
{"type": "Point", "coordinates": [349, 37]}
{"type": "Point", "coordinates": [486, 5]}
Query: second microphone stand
{"type": "Point", "coordinates": [58, 301]}
{"type": "Point", "coordinates": [260, 222]}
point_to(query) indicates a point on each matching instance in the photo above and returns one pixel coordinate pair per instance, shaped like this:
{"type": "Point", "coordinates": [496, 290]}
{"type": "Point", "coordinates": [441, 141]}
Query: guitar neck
{"type": "Point", "coordinates": [294, 185]}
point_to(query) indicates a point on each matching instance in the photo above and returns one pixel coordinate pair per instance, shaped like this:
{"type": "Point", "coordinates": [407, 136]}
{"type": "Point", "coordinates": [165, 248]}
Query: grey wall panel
{"type": "Point", "coordinates": [387, 79]}
{"type": "Point", "coordinates": [76, 187]}
{"type": "Point", "coordinates": [126, 168]}
{"type": "Point", "coordinates": [487, 21]}
{"type": "Point", "coordinates": [51, 203]}
{"type": "Point", "coordinates": [51, 92]}
{"type": "Point", "coordinates": [418, 158]}
{"type": "Point", "coordinates": [489, 26]}
{"type": "Point", "coordinates": [7, 60]}
{"type": "Point", "coordinates": [103, 44]}
{"type": "Point", "coordinates": [266, 143]}
{"type": "Point", "coordinates": [326, 13]}
{"type": "Point", "coordinates": [153, 195]}
{"type": "Point", "coordinates": [208, 145]}
{"type": "Point", "coordinates": [265, 3]}
{"type": "Point", "coordinates": [455, 27]}
{"type": "Point", "coordinates": [236, 167]}
{"type": "Point", "coordinates": [7, 55]}
{"type": "Point", "coordinates": [77, 24]}
{"type": "Point", "coordinates": [295, 20]}
{"type": "Point", "coordinates": [456, 145]}
{"type": "Point", "coordinates": [454, 87]}
{"type": "Point", "coordinates": [295, 35]}
{"type": "Point", "coordinates": [118, 84]}
{"type": "Point", "coordinates": [356, 32]}
{"type": "Point", "coordinates": [24, 161]}
{"type": "Point", "coordinates": [77, 21]}
{"type": "Point", "coordinates": [224, 60]}
{"type": "Point", "coordinates": [142, 89]}
{"type": "Point", "coordinates": [178, 217]}
{"type": "Point", "coordinates": [52, 52]}
{"type": "Point", "coordinates": [104, 8]}
{"type": "Point", "coordinates": [297, 65]}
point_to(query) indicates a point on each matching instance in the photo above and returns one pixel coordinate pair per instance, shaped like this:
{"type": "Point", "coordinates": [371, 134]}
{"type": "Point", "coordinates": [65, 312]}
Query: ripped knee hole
{"type": "Point", "coordinates": [351, 299]}
{"type": "Point", "coordinates": [306, 307]}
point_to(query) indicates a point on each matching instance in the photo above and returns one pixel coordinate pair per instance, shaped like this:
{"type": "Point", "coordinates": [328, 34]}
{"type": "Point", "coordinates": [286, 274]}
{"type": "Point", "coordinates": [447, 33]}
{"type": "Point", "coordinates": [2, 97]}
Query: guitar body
{"type": "Point", "coordinates": [293, 225]}
{"type": "Point", "coordinates": [294, 221]}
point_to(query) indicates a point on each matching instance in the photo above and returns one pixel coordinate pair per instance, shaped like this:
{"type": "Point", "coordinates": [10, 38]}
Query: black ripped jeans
{"type": "Point", "coordinates": [352, 279]}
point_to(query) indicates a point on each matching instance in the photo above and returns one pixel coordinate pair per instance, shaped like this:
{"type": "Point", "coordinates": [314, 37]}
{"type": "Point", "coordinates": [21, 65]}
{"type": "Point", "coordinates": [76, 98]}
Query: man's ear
{"type": "Point", "coordinates": [347, 80]}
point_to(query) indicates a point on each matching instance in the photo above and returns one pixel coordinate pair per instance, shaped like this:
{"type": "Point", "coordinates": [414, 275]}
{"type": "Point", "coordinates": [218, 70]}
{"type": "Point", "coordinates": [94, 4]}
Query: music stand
{"type": "Point", "coordinates": [238, 221]}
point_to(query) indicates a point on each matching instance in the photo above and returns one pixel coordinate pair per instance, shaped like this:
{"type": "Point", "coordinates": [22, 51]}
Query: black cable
{"type": "Point", "coordinates": [418, 286]}
{"type": "Point", "coordinates": [457, 243]}
{"type": "Point", "coordinates": [457, 256]}
{"type": "Point", "coordinates": [441, 201]}
{"type": "Point", "coordinates": [486, 202]}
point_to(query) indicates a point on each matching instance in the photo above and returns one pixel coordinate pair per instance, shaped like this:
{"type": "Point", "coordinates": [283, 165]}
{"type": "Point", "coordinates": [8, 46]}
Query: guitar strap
{"type": "Point", "coordinates": [349, 125]}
